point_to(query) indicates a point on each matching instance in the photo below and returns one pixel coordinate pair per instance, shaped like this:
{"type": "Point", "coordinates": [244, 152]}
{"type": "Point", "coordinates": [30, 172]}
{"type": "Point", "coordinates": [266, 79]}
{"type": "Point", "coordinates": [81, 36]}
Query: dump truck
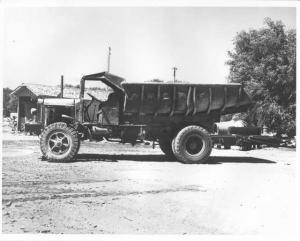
{"type": "Point", "coordinates": [178, 116]}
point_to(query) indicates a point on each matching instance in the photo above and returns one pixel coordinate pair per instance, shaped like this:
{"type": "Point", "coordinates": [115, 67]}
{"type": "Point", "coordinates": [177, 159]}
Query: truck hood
{"type": "Point", "coordinates": [58, 101]}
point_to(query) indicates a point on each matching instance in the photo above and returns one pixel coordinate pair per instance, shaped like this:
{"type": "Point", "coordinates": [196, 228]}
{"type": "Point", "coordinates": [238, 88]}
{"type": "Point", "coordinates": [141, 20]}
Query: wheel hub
{"type": "Point", "coordinates": [59, 143]}
{"type": "Point", "coordinates": [194, 145]}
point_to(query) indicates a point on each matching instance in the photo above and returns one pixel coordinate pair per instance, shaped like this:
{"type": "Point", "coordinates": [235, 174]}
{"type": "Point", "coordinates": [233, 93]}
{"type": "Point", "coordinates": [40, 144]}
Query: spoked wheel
{"type": "Point", "coordinates": [192, 145]}
{"type": "Point", "coordinates": [59, 142]}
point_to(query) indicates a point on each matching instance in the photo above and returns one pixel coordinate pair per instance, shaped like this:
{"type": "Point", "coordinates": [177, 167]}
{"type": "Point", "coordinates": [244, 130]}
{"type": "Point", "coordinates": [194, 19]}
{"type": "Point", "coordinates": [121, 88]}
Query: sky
{"type": "Point", "coordinates": [43, 43]}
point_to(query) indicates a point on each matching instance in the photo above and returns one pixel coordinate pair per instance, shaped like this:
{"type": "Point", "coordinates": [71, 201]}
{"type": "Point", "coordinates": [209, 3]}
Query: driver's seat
{"type": "Point", "coordinates": [91, 107]}
{"type": "Point", "coordinates": [108, 113]}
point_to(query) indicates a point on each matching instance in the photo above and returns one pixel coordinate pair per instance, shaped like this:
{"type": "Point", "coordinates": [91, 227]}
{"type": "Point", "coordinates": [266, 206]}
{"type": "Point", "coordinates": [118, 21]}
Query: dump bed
{"type": "Point", "coordinates": [180, 99]}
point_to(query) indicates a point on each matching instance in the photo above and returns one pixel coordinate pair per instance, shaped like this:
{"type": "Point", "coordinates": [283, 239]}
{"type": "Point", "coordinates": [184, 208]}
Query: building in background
{"type": "Point", "coordinates": [28, 94]}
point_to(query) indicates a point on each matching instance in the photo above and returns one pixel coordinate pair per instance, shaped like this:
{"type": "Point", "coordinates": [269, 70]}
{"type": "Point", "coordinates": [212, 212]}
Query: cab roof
{"type": "Point", "coordinates": [109, 79]}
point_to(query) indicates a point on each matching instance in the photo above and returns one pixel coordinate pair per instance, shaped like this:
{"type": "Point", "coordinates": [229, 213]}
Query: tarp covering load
{"type": "Point", "coordinates": [184, 99]}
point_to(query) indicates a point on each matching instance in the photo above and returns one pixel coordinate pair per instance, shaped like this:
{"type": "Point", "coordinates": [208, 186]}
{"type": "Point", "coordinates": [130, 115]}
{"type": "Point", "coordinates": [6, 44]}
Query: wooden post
{"type": "Point", "coordinates": [174, 73]}
{"type": "Point", "coordinates": [19, 119]}
{"type": "Point", "coordinates": [62, 86]}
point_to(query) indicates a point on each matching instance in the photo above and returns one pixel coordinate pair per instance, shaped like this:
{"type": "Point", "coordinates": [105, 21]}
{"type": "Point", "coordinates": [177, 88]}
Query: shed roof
{"type": "Point", "coordinates": [39, 91]}
{"type": "Point", "coordinates": [36, 90]}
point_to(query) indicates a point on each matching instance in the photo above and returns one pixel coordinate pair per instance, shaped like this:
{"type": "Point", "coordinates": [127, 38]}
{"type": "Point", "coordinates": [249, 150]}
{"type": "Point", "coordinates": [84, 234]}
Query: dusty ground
{"type": "Point", "coordinates": [114, 188]}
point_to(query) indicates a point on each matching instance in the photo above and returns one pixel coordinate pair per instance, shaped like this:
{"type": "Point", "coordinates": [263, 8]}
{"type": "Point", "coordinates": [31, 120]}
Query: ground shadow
{"type": "Point", "coordinates": [237, 159]}
{"type": "Point", "coordinates": [116, 157]}
{"type": "Point", "coordinates": [162, 158]}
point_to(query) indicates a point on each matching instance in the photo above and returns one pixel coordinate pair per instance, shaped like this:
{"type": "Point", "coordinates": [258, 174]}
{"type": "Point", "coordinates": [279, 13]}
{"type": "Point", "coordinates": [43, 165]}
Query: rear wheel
{"type": "Point", "coordinates": [192, 145]}
{"type": "Point", "coordinates": [59, 142]}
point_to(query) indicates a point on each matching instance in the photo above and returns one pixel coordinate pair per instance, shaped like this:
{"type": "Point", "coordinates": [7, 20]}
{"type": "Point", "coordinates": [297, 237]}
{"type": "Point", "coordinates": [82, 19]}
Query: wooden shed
{"type": "Point", "coordinates": [27, 95]}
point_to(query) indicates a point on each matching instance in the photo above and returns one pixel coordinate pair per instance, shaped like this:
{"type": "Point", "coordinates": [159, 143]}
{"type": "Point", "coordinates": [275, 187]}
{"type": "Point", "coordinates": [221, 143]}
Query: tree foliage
{"type": "Point", "coordinates": [156, 80]}
{"type": "Point", "coordinates": [9, 102]}
{"type": "Point", "coordinates": [264, 61]}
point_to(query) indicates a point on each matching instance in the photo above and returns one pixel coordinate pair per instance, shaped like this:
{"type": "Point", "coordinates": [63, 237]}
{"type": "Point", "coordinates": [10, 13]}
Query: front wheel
{"type": "Point", "coordinates": [59, 142]}
{"type": "Point", "coordinates": [192, 145]}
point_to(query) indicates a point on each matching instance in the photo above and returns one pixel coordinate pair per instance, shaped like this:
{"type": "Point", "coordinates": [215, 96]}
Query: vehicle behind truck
{"type": "Point", "coordinates": [179, 116]}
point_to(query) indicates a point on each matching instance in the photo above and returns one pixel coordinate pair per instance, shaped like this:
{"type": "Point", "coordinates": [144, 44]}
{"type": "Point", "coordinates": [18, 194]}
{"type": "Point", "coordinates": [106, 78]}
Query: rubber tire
{"type": "Point", "coordinates": [179, 148]}
{"type": "Point", "coordinates": [74, 142]}
{"type": "Point", "coordinates": [165, 145]}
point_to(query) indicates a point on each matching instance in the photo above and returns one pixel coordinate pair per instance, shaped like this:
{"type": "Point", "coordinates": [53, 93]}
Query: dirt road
{"type": "Point", "coordinates": [114, 188]}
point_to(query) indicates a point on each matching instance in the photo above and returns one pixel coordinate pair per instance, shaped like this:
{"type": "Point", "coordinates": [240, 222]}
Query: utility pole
{"type": "Point", "coordinates": [174, 73]}
{"type": "Point", "coordinates": [108, 60]}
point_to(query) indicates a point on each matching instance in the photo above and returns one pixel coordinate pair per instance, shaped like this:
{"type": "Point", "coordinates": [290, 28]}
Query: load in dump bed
{"type": "Point", "coordinates": [181, 102]}
{"type": "Point", "coordinates": [179, 116]}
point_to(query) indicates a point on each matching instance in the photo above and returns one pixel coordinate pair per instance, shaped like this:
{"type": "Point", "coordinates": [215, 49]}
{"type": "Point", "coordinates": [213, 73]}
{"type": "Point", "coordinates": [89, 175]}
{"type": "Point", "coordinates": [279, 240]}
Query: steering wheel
{"type": "Point", "coordinates": [93, 97]}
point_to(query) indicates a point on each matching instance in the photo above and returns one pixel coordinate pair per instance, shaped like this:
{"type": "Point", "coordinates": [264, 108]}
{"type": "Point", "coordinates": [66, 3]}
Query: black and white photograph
{"type": "Point", "coordinates": [149, 119]}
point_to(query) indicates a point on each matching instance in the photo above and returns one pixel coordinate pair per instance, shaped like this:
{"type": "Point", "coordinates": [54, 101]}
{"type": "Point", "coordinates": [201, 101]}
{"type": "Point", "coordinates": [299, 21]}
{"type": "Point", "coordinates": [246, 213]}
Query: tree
{"type": "Point", "coordinates": [264, 62]}
{"type": "Point", "coordinates": [156, 80]}
{"type": "Point", "coordinates": [9, 102]}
